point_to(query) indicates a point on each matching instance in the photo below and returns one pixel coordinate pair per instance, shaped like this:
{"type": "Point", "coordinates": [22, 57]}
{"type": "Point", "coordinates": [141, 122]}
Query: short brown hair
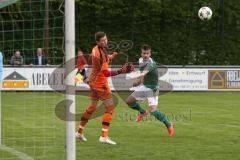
{"type": "Point", "coordinates": [146, 47]}
{"type": "Point", "coordinates": [99, 35]}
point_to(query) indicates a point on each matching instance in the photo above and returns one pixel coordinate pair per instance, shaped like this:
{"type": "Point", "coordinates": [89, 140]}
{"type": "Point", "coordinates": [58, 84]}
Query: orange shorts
{"type": "Point", "coordinates": [102, 93]}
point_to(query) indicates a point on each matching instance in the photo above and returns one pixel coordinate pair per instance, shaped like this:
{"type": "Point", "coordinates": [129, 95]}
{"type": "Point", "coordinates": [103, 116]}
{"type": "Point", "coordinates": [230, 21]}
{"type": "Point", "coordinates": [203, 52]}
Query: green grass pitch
{"type": "Point", "coordinates": [206, 127]}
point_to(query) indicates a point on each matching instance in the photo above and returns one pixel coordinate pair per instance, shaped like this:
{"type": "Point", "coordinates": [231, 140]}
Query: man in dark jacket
{"type": "Point", "coordinates": [39, 59]}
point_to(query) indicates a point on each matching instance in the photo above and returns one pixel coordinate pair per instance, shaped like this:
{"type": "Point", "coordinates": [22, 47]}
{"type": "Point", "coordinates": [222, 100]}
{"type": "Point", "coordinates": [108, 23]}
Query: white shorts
{"type": "Point", "coordinates": [142, 93]}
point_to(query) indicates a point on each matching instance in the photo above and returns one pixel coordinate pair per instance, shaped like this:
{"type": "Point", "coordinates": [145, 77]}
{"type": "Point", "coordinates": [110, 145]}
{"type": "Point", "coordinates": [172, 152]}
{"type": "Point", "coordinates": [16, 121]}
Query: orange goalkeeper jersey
{"type": "Point", "coordinates": [100, 62]}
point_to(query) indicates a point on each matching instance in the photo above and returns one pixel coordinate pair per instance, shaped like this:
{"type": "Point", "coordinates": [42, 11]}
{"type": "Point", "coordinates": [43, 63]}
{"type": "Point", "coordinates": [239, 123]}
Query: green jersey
{"type": "Point", "coordinates": [151, 78]}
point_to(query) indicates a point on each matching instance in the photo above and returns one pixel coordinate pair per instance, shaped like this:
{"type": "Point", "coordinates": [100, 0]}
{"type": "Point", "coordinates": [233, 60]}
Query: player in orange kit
{"type": "Point", "coordinates": [100, 89]}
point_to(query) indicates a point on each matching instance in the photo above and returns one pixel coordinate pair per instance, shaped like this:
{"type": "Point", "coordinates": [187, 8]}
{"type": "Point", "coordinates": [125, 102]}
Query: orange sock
{"type": "Point", "coordinates": [106, 120]}
{"type": "Point", "coordinates": [105, 131]}
{"type": "Point", "coordinates": [81, 127]}
{"type": "Point", "coordinates": [85, 117]}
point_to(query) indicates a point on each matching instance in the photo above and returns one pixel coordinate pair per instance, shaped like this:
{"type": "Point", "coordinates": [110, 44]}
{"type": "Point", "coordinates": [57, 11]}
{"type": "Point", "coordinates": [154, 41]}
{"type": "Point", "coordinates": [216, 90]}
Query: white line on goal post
{"type": "Point", "coordinates": [70, 55]}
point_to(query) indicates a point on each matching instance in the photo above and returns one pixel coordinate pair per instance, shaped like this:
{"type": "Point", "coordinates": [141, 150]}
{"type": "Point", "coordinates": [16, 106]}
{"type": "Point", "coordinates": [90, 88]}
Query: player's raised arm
{"type": "Point", "coordinates": [126, 68]}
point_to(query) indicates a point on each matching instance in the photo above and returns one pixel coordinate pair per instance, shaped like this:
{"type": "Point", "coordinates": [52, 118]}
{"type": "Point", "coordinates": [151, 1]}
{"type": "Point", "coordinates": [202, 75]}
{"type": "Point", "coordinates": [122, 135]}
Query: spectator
{"type": "Point", "coordinates": [81, 64]}
{"type": "Point", "coordinates": [17, 59]}
{"type": "Point", "coordinates": [39, 59]}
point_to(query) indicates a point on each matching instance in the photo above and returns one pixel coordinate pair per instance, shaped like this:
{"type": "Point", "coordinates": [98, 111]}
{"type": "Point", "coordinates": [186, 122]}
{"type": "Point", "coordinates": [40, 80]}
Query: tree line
{"type": "Point", "coordinates": [172, 28]}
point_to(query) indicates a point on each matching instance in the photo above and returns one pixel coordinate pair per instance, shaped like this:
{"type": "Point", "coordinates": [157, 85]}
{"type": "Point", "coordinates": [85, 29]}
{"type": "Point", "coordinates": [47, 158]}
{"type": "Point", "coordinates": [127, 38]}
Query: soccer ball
{"type": "Point", "coordinates": [205, 13]}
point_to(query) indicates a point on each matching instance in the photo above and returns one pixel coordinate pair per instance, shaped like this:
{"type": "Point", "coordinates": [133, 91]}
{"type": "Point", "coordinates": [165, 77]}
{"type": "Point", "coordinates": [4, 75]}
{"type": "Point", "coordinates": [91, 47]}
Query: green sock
{"type": "Point", "coordinates": [137, 107]}
{"type": "Point", "coordinates": [161, 117]}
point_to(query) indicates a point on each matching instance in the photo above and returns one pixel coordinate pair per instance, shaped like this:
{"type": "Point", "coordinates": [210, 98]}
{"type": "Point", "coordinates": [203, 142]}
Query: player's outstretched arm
{"type": "Point", "coordinates": [126, 68]}
{"type": "Point", "coordinates": [108, 73]}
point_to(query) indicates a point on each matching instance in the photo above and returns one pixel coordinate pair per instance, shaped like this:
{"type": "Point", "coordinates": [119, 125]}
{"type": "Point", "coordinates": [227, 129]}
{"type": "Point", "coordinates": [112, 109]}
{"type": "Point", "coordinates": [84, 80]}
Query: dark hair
{"type": "Point", "coordinates": [146, 47]}
{"type": "Point", "coordinates": [80, 50]}
{"type": "Point", "coordinates": [99, 35]}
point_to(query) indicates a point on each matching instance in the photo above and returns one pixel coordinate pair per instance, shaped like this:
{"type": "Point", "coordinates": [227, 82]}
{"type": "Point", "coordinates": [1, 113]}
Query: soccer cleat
{"type": "Point", "coordinates": [171, 130]}
{"type": "Point", "coordinates": [106, 140]}
{"type": "Point", "coordinates": [140, 117]}
{"type": "Point", "coordinates": [81, 137]}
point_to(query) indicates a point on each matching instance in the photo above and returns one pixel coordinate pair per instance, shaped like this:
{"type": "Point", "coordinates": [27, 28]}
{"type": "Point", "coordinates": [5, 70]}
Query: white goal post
{"type": "Point", "coordinates": [70, 55]}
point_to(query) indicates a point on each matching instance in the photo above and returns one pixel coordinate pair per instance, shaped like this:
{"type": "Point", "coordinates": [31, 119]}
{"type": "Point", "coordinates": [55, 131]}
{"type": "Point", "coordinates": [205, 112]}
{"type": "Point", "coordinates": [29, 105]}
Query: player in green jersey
{"type": "Point", "coordinates": [148, 88]}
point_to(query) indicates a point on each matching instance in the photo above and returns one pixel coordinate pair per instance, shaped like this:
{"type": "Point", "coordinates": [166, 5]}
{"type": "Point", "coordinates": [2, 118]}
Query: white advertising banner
{"type": "Point", "coordinates": [176, 79]}
{"type": "Point", "coordinates": [186, 79]}
{"type": "Point", "coordinates": [31, 79]}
